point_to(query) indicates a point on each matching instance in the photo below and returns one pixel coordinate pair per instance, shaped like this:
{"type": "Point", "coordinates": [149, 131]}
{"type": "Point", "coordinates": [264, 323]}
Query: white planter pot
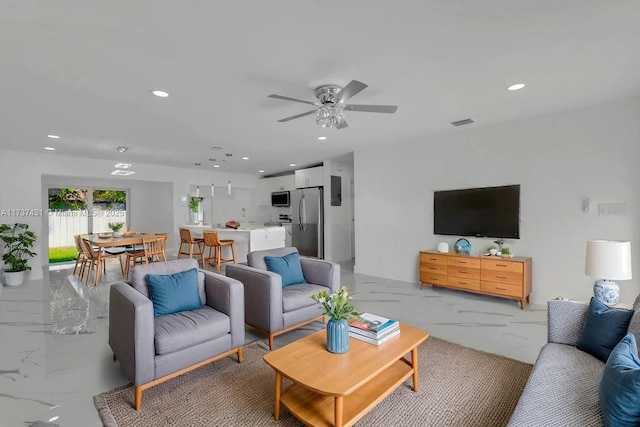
{"type": "Point", "coordinates": [14, 278]}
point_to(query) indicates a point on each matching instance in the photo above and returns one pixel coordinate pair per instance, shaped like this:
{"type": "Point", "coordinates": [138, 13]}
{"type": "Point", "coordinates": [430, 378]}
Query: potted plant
{"type": "Point", "coordinates": [194, 209]}
{"type": "Point", "coordinates": [116, 227]}
{"type": "Point", "coordinates": [18, 242]}
{"type": "Point", "coordinates": [506, 252]}
{"type": "Point", "coordinates": [337, 307]}
{"type": "Point", "coordinates": [493, 250]}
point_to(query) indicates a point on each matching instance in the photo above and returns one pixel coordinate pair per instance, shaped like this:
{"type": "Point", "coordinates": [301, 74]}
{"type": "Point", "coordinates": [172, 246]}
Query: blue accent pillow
{"type": "Point", "coordinates": [620, 385]}
{"type": "Point", "coordinates": [171, 293]}
{"type": "Point", "coordinates": [288, 267]}
{"type": "Point", "coordinates": [603, 328]}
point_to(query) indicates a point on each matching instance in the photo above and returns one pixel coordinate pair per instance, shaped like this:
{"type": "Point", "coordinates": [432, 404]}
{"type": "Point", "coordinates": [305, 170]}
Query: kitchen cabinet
{"type": "Point", "coordinates": [266, 238]}
{"type": "Point", "coordinates": [311, 177]}
{"type": "Point", "coordinates": [266, 186]}
{"type": "Point", "coordinates": [500, 277]}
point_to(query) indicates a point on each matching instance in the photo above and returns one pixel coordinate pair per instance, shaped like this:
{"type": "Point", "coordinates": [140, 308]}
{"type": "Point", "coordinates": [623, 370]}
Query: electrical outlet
{"type": "Point", "coordinates": [612, 209]}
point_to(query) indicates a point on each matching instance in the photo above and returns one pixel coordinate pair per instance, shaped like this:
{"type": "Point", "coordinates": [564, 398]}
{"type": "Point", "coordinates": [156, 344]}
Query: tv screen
{"type": "Point", "coordinates": [480, 212]}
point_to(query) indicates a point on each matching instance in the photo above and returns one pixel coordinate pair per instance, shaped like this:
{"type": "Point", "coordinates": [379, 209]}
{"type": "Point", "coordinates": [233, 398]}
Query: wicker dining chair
{"type": "Point", "coordinates": [91, 261]}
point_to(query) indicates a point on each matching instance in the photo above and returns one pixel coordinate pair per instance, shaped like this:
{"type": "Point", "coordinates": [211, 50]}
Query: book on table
{"type": "Point", "coordinates": [373, 341]}
{"type": "Point", "coordinates": [373, 326]}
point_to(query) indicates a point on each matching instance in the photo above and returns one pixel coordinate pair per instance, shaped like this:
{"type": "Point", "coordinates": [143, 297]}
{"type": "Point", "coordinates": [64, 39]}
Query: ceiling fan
{"type": "Point", "coordinates": [330, 104]}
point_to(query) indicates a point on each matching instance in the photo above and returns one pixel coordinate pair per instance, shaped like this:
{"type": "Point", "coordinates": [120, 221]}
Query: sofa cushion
{"type": "Point", "coordinates": [171, 293]}
{"type": "Point", "coordinates": [603, 328]}
{"type": "Point", "coordinates": [255, 259]}
{"type": "Point", "coordinates": [185, 329]}
{"type": "Point", "coordinates": [620, 385]}
{"type": "Point", "coordinates": [140, 271]}
{"type": "Point", "coordinates": [288, 267]}
{"type": "Point", "coordinates": [299, 296]}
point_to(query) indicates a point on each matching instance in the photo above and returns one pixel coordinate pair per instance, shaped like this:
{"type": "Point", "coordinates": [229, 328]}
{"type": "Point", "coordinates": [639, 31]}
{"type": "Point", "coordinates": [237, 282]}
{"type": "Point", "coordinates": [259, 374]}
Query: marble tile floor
{"type": "Point", "coordinates": [54, 355]}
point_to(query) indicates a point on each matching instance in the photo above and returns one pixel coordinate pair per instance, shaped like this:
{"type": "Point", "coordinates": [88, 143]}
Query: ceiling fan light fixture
{"type": "Point", "coordinates": [330, 115]}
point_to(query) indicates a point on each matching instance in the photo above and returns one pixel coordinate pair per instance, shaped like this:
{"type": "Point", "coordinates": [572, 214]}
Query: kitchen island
{"type": "Point", "coordinates": [246, 239]}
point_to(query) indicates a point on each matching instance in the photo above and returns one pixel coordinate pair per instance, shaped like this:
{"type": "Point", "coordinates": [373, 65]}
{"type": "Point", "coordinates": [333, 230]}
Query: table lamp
{"type": "Point", "coordinates": [608, 260]}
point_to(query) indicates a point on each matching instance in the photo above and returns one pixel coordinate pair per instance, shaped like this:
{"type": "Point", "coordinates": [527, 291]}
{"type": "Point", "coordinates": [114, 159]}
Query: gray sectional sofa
{"type": "Point", "coordinates": [563, 387]}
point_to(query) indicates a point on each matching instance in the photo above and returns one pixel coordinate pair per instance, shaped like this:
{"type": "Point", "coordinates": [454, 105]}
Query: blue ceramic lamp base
{"type": "Point", "coordinates": [606, 291]}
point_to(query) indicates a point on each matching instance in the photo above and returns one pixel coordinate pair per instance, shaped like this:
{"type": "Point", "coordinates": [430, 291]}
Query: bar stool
{"type": "Point", "coordinates": [211, 241]}
{"type": "Point", "coordinates": [186, 239]}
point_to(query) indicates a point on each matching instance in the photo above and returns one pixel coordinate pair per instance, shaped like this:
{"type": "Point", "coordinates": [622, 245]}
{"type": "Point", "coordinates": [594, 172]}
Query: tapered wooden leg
{"type": "Point", "coordinates": [270, 342]}
{"type": "Point", "coordinates": [240, 355]}
{"type": "Point", "coordinates": [337, 410]}
{"type": "Point", "coordinates": [414, 364]}
{"type": "Point", "coordinates": [138, 397]}
{"type": "Point", "coordinates": [276, 411]}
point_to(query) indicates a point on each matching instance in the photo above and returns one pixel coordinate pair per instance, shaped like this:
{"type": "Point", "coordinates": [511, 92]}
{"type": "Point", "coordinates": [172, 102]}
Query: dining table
{"type": "Point", "coordinates": [103, 241]}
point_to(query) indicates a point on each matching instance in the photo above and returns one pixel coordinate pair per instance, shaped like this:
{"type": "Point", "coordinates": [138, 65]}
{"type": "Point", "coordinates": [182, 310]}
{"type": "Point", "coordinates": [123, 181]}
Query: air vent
{"type": "Point", "coordinates": [462, 122]}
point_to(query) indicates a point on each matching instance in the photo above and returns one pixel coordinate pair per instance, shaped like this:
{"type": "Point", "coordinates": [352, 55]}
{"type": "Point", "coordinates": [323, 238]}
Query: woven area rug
{"type": "Point", "coordinates": [458, 386]}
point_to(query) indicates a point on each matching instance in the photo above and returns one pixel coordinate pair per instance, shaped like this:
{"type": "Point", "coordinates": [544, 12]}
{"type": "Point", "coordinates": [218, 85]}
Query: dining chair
{"type": "Point", "coordinates": [211, 242]}
{"type": "Point", "coordinates": [91, 261]}
{"type": "Point", "coordinates": [152, 251]}
{"type": "Point", "coordinates": [80, 258]}
{"type": "Point", "coordinates": [187, 239]}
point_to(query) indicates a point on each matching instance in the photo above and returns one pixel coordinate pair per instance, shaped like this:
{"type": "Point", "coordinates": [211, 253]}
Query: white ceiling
{"type": "Point", "coordinates": [84, 70]}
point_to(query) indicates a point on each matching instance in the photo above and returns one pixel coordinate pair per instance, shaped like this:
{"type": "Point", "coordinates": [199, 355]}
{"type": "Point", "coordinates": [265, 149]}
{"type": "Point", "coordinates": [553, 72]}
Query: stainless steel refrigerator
{"type": "Point", "coordinates": [307, 218]}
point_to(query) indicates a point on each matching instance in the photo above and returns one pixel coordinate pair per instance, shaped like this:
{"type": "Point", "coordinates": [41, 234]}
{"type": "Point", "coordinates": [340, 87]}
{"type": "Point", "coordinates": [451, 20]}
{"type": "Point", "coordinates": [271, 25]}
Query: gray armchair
{"type": "Point", "coordinates": [155, 349]}
{"type": "Point", "coordinates": [274, 310]}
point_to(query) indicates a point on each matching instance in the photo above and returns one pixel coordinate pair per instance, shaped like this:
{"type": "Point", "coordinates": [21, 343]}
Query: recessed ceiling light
{"type": "Point", "coordinates": [245, 158]}
{"type": "Point", "coordinates": [292, 164]}
{"type": "Point", "coordinates": [53, 136]}
{"type": "Point", "coordinates": [516, 86]}
{"type": "Point", "coordinates": [160, 93]}
{"type": "Point", "coordinates": [322, 138]}
{"type": "Point", "coordinates": [122, 173]}
{"type": "Point", "coordinates": [122, 149]}
{"type": "Point", "coordinates": [261, 171]}
{"type": "Point", "coordinates": [49, 148]}
{"type": "Point", "coordinates": [122, 165]}
{"type": "Point", "coordinates": [216, 166]}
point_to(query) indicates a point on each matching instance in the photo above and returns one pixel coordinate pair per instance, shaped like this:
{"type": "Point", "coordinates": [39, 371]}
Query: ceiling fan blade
{"type": "Point", "coordinates": [372, 108]}
{"type": "Point", "coordinates": [343, 125]}
{"type": "Point", "coordinates": [297, 116]}
{"type": "Point", "coordinates": [353, 88]}
{"type": "Point", "coordinates": [288, 98]}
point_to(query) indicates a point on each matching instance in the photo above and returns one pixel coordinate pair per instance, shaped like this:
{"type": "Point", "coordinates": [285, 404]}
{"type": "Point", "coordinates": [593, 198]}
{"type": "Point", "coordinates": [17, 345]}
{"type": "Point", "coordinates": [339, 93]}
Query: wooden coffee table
{"type": "Point", "coordinates": [339, 389]}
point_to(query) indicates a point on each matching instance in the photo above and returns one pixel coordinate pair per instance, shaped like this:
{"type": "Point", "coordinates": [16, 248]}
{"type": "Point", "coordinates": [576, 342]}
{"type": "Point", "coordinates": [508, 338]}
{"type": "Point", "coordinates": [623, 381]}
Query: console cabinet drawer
{"type": "Point", "coordinates": [434, 279]}
{"type": "Point", "coordinates": [464, 262]}
{"type": "Point", "coordinates": [433, 259]}
{"type": "Point", "coordinates": [463, 272]}
{"type": "Point", "coordinates": [433, 268]}
{"type": "Point", "coordinates": [502, 289]}
{"type": "Point", "coordinates": [501, 265]}
{"type": "Point", "coordinates": [501, 276]}
{"type": "Point", "coordinates": [468, 284]}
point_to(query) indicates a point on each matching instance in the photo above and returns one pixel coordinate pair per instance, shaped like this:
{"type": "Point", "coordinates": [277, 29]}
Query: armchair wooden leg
{"type": "Point", "coordinates": [138, 397]}
{"type": "Point", "coordinates": [271, 341]}
{"type": "Point", "coordinates": [240, 355]}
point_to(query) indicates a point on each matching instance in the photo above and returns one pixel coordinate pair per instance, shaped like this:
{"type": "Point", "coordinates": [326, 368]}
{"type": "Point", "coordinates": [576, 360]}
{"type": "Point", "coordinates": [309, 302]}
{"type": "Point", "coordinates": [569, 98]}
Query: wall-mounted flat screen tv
{"type": "Point", "coordinates": [480, 212]}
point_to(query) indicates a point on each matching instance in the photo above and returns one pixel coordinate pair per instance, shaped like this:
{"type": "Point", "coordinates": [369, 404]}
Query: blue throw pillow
{"type": "Point", "coordinates": [620, 385]}
{"type": "Point", "coordinates": [288, 267]}
{"type": "Point", "coordinates": [603, 328]}
{"type": "Point", "coordinates": [171, 293]}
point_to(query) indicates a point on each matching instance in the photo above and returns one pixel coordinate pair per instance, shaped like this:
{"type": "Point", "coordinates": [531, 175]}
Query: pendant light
{"type": "Point", "coordinates": [197, 179]}
{"type": "Point", "coordinates": [229, 187]}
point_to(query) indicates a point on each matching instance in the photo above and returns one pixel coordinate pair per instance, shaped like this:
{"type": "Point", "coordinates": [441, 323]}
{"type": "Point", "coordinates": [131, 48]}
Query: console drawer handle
{"type": "Point", "coordinates": [500, 277]}
{"type": "Point", "coordinates": [462, 272]}
{"type": "Point", "coordinates": [500, 289]}
{"type": "Point", "coordinates": [501, 265]}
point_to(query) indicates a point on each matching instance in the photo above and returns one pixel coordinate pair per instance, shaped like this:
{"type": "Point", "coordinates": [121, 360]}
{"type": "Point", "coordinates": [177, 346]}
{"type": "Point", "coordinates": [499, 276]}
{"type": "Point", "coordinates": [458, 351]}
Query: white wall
{"type": "Point", "coordinates": [558, 159]}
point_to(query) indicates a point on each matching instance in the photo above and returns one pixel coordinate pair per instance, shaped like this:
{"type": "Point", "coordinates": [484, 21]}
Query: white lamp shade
{"type": "Point", "coordinates": [608, 259]}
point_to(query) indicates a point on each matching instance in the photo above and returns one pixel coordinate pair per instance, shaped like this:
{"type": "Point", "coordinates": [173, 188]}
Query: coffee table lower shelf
{"type": "Point", "coordinates": [319, 410]}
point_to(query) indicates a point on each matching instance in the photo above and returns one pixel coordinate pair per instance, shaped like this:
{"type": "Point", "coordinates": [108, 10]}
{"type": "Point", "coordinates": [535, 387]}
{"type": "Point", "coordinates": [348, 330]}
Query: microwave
{"type": "Point", "coordinates": [280, 199]}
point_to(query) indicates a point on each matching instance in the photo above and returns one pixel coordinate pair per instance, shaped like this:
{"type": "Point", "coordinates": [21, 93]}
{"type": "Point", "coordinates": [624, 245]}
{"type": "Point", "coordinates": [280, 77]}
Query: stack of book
{"type": "Point", "coordinates": [373, 329]}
